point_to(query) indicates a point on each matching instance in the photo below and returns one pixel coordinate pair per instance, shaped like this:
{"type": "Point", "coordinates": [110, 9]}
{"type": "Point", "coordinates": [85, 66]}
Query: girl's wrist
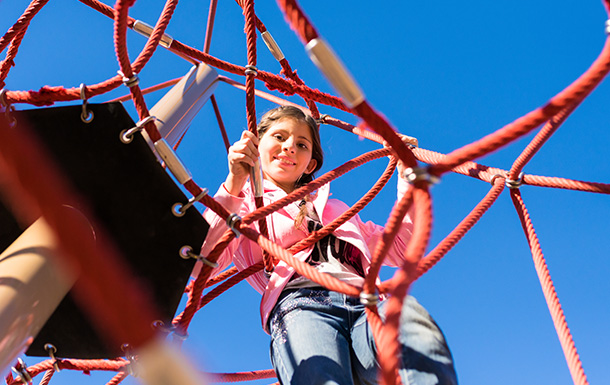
{"type": "Point", "coordinates": [234, 184]}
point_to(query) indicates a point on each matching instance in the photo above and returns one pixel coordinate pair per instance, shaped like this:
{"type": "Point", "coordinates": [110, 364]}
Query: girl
{"type": "Point", "coordinates": [318, 336]}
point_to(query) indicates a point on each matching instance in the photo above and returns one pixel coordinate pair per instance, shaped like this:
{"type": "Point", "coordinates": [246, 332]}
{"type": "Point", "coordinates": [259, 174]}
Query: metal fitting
{"type": "Point", "coordinates": [515, 183]}
{"type": "Point", "coordinates": [22, 372]}
{"type": "Point", "coordinates": [8, 109]}
{"type": "Point", "coordinates": [131, 367]}
{"type": "Point", "coordinates": [146, 30]}
{"type": "Point", "coordinates": [130, 82]}
{"type": "Point", "coordinates": [417, 174]}
{"type": "Point", "coordinates": [608, 27]}
{"type": "Point", "coordinates": [322, 119]}
{"type": "Point", "coordinates": [369, 299]}
{"type": "Point", "coordinates": [322, 55]}
{"type": "Point", "coordinates": [272, 45]}
{"type": "Point", "coordinates": [232, 219]}
{"type": "Point", "coordinates": [179, 210]}
{"type": "Point", "coordinates": [160, 326]}
{"type": "Point", "coordinates": [496, 176]}
{"type": "Point", "coordinates": [172, 161]}
{"type": "Point", "coordinates": [186, 252]}
{"type": "Point", "coordinates": [268, 273]}
{"type": "Point", "coordinates": [51, 349]}
{"type": "Point", "coordinates": [127, 135]}
{"type": "Point", "coordinates": [251, 70]}
{"type": "Point", "coordinates": [86, 115]}
{"type": "Point", "coordinates": [3, 101]}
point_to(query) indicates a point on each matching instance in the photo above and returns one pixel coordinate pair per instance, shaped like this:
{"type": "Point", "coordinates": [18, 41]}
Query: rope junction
{"type": "Point", "coordinates": [24, 161]}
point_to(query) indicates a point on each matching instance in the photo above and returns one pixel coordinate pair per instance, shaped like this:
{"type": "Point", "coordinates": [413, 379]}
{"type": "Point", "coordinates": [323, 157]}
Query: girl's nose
{"type": "Point", "coordinates": [288, 145]}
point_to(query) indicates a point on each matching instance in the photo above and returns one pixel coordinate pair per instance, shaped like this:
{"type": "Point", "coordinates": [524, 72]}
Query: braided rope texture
{"type": "Point", "coordinates": [20, 161]}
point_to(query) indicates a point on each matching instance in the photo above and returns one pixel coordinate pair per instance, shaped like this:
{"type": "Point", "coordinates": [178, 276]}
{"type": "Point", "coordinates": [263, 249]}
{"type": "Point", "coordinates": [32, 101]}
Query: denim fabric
{"type": "Point", "coordinates": [322, 337]}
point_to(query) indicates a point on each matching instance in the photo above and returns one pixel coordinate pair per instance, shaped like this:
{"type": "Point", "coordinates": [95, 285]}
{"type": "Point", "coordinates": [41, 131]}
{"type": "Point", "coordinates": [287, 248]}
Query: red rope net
{"type": "Point", "coordinates": [24, 163]}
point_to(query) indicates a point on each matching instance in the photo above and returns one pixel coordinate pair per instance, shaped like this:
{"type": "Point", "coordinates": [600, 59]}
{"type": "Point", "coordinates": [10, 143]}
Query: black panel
{"type": "Point", "coordinates": [131, 195]}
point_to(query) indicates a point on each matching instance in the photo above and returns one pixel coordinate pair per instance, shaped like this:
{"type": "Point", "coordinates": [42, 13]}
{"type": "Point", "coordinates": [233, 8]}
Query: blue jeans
{"type": "Point", "coordinates": [323, 337]}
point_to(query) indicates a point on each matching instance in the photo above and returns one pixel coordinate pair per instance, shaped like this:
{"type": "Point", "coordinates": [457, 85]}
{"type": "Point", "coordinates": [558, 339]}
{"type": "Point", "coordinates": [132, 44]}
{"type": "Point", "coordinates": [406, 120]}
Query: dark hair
{"type": "Point", "coordinates": [289, 112]}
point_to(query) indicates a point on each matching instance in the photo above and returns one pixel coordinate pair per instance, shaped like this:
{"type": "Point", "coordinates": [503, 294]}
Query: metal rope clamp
{"type": "Point", "coordinates": [417, 174]}
{"type": "Point", "coordinates": [131, 366]}
{"type": "Point", "coordinates": [186, 252]}
{"type": "Point", "coordinates": [232, 219]}
{"type": "Point", "coordinates": [86, 115]}
{"type": "Point", "coordinates": [268, 274]}
{"type": "Point", "coordinates": [251, 70]}
{"type": "Point", "coordinates": [514, 183]}
{"type": "Point", "coordinates": [179, 210]}
{"type": "Point", "coordinates": [322, 119]}
{"type": "Point", "coordinates": [22, 372]}
{"type": "Point", "coordinates": [160, 326]}
{"type": "Point", "coordinates": [167, 330]}
{"type": "Point", "coordinates": [496, 176]}
{"type": "Point", "coordinates": [127, 135]}
{"type": "Point", "coordinates": [51, 349]}
{"type": "Point", "coordinates": [133, 81]}
{"type": "Point", "coordinates": [369, 299]}
{"type": "Point", "coordinates": [8, 109]}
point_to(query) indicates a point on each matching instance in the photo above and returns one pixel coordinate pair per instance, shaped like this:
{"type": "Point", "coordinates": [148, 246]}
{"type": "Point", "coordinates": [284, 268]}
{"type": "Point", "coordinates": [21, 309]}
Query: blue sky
{"type": "Point", "coordinates": [447, 73]}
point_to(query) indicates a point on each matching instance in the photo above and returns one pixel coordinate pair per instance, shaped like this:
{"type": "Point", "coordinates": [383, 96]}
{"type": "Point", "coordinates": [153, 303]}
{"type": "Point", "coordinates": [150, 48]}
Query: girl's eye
{"type": "Point", "coordinates": [278, 136]}
{"type": "Point", "coordinates": [303, 146]}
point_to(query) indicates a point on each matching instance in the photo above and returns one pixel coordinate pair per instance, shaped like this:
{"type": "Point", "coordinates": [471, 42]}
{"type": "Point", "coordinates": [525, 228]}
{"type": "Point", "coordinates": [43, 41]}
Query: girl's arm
{"type": "Point", "coordinates": [241, 157]}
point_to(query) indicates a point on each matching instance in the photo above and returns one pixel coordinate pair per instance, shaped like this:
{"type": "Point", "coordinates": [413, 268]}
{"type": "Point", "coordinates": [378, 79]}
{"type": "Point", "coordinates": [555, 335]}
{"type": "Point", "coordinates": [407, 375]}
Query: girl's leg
{"type": "Point", "coordinates": [310, 339]}
{"type": "Point", "coordinates": [426, 358]}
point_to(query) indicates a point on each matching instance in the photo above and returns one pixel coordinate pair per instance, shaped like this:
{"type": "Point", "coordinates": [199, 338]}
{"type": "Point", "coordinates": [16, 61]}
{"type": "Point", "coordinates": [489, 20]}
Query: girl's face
{"type": "Point", "coordinates": [285, 150]}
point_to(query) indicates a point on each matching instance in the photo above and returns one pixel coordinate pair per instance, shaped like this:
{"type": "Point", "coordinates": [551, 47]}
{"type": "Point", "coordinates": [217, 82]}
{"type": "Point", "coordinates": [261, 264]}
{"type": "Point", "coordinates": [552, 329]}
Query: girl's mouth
{"type": "Point", "coordinates": [285, 160]}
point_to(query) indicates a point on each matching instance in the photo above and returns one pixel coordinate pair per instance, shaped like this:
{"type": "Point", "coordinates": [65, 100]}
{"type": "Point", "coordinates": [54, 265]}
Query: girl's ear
{"type": "Point", "coordinates": [311, 166]}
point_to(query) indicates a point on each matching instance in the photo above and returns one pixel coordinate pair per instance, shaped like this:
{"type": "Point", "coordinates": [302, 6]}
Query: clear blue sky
{"type": "Point", "coordinates": [447, 73]}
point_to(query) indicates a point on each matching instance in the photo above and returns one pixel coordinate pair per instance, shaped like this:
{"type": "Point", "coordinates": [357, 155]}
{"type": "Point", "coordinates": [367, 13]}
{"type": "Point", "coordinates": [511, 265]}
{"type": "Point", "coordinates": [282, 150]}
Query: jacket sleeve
{"type": "Point", "coordinates": [372, 233]}
{"type": "Point", "coordinates": [218, 226]}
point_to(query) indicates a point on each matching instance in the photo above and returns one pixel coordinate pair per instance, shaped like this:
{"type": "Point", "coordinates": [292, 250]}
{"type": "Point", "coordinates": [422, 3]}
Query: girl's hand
{"type": "Point", "coordinates": [408, 140]}
{"type": "Point", "coordinates": [242, 156]}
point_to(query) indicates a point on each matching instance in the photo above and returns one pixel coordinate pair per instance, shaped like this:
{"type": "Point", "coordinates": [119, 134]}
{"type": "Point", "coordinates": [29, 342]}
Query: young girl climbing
{"type": "Point", "coordinates": [318, 336]}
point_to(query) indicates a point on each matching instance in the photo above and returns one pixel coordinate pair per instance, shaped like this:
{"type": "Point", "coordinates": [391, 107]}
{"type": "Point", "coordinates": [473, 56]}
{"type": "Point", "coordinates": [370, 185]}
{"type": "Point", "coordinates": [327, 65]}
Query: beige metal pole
{"type": "Point", "coordinates": [178, 107]}
{"type": "Point", "coordinates": [31, 286]}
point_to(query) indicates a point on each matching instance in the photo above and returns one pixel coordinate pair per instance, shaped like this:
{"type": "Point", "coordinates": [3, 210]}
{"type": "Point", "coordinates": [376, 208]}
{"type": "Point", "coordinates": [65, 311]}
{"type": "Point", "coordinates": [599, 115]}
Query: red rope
{"type": "Point", "coordinates": [297, 20]}
{"type": "Point", "coordinates": [9, 61]}
{"type": "Point", "coordinates": [557, 109]}
{"type": "Point", "coordinates": [73, 364]}
{"type": "Point", "coordinates": [47, 377]}
{"type": "Point", "coordinates": [389, 347]}
{"type": "Point", "coordinates": [391, 230]}
{"type": "Point", "coordinates": [210, 26]}
{"type": "Point", "coordinates": [565, 337]}
{"type": "Point", "coordinates": [229, 283]}
{"type": "Point", "coordinates": [23, 21]}
{"type": "Point", "coordinates": [582, 86]}
{"type": "Point", "coordinates": [241, 376]}
{"type": "Point", "coordinates": [462, 228]}
{"type": "Point", "coordinates": [355, 209]}
{"type": "Point", "coordinates": [221, 125]}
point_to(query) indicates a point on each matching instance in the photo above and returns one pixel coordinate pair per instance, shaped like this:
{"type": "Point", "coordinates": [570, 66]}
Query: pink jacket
{"type": "Point", "coordinates": [244, 253]}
